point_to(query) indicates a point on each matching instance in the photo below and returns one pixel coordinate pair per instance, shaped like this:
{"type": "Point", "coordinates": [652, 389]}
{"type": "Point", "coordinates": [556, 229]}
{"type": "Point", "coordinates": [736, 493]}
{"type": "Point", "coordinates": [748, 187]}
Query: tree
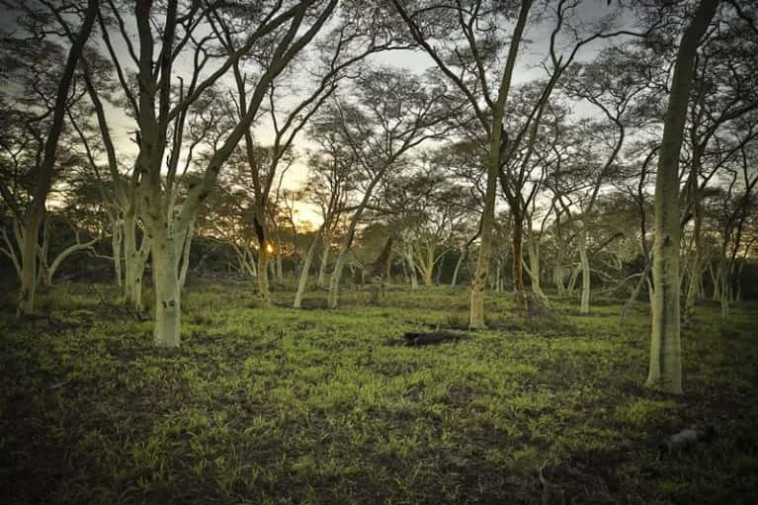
{"type": "Point", "coordinates": [391, 112]}
{"type": "Point", "coordinates": [48, 133]}
{"type": "Point", "coordinates": [665, 370]}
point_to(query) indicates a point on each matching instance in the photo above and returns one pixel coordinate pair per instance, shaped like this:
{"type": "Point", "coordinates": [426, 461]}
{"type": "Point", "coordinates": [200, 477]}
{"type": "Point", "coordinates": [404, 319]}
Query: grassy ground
{"type": "Point", "coordinates": [315, 406]}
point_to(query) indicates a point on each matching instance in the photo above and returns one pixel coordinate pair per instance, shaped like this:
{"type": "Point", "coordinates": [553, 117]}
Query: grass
{"type": "Point", "coordinates": [313, 406]}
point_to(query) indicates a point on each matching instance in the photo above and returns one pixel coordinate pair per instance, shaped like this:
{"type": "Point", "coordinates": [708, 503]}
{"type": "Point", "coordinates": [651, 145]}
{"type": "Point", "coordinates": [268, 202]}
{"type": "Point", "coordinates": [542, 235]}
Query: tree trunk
{"type": "Point", "coordinates": [696, 267]}
{"type": "Point", "coordinates": [134, 262]}
{"type": "Point", "coordinates": [334, 281]}
{"type": "Point", "coordinates": [166, 332]}
{"type": "Point", "coordinates": [665, 350]}
{"type": "Point", "coordinates": [303, 281]}
{"type": "Point", "coordinates": [584, 262]}
{"type": "Point", "coordinates": [458, 264]}
{"type": "Point", "coordinates": [263, 280]}
{"type": "Point", "coordinates": [117, 245]}
{"type": "Point", "coordinates": [517, 265]}
{"type": "Point", "coordinates": [326, 242]}
{"type": "Point", "coordinates": [635, 292]}
{"type": "Point", "coordinates": [186, 255]}
{"type": "Point", "coordinates": [533, 250]}
{"type": "Point", "coordinates": [440, 267]}
{"type": "Point", "coordinates": [428, 269]}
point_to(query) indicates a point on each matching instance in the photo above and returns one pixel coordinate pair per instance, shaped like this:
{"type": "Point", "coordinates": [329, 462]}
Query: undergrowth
{"type": "Point", "coordinates": [314, 406]}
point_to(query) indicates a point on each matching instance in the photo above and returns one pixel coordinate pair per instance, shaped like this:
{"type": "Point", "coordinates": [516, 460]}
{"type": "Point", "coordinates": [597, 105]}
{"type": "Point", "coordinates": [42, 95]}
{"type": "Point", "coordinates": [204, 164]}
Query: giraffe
{"type": "Point", "coordinates": [379, 268]}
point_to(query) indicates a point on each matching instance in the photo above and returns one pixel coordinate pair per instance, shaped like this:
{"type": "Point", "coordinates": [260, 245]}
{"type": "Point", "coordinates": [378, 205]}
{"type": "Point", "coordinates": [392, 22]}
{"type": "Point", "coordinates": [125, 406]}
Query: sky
{"type": "Point", "coordinates": [123, 127]}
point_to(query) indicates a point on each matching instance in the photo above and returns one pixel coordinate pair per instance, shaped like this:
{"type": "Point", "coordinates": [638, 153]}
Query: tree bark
{"type": "Point", "coordinates": [665, 370]}
{"type": "Point", "coordinates": [304, 273]}
{"type": "Point", "coordinates": [168, 314]}
{"type": "Point", "coordinates": [584, 262]}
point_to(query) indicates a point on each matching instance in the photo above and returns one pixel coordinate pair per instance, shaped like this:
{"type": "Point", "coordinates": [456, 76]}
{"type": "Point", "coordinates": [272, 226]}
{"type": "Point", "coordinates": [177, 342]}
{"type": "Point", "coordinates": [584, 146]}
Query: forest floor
{"type": "Point", "coordinates": [314, 406]}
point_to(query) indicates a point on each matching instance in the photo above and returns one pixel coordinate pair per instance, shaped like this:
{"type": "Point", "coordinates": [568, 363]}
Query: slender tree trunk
{"type": "Point", "coordinates": [458, 264]}
{"type": "Point", "coordinates": [326, 242]}
{"type": "Point", "coordinates": [696, 267]}
{"type": "Point", "coordinates": [665, 371]}
{"type": "Point", "coordinates": [186, 255]}
{"type": "Point", "coordinates": [117, 245]}
{"type": "Point", "coordinates": [584, 262]}
{"type": "Point", "coordinates": [428, 269]}
{"type": "Point", "coordinates": [635, 292]}
{"type": "Point", "coordinates": [533, 251]}
{"type": "Point", "coordinates": [334, 281]}
{"type": "Point", "coordinates": [517, 265]}
{"type": "Point", "coordinates": [303, 281]}
{"type": "Point", "coordinates": [263, 275]}
{"type": "Point", "coordinates": [440, 267]}
{"type": "Point", "coordinates": [134, 262]}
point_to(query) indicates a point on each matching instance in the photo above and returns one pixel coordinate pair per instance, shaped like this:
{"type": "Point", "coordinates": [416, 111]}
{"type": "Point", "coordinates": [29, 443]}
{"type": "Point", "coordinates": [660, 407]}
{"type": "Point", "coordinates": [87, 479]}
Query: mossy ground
{"type": "Point", "coordinates": [315, 406]}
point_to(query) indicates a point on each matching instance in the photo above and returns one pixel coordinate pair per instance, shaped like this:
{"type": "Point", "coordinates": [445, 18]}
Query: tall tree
{"type": "Point", "coordinates": [665, 370]}
{"type": "Point", "coordinates": [30, 16]}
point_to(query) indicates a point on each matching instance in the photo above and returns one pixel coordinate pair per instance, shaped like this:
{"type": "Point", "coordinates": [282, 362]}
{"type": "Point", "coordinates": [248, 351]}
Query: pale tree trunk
{"type": "Point", "coordinates": [186, 255]}
{"type": "Point", "coordinates": [665, 350]}
{"type": "Point", "coordinates": [334, 281]}
{"type": "Point", "coordinates": [304, 273]}
{"type": "Point", "coordinates": [279, 269]}
{"type": "Point", "coordinates": [696, 267]}
{"type": "Point", "coordinates": [517, 265]}
{"type": "Point", "coordinates": [461, 259]}
{"type": "Point", "coordinates": [425, 261]}
{"type": "Point", "coordinates": [571, 287]}
{"type": "Point", "coordinates": [168, 313]}
{"type": "Point", "coordinates": [135, 259]}
{"type": "Point", "coordinates": [49, 272]}
{"type": "Point", "coordinates": [584, 262]}
{"type": "Point", "coordinates": [117, 245]}
{"type": "Point", "coordinates": [411, 269]}
{"type": "Point", "coordinates": [326, 242]}
{"type": "Point", "coordinates": [636, 291]}
{"type": "Point", "coordinates": [440, 267]}
{"type": "Point", "coordinates": [533, 251]}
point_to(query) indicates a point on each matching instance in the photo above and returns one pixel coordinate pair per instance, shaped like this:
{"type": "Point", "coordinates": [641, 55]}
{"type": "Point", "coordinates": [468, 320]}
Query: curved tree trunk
{"type": "Point", "coordinates": [305, 272]}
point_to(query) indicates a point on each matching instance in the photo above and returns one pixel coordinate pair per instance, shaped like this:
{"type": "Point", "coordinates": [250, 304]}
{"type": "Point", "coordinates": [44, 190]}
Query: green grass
{"type": "Point", "coordinates": [314, 406]}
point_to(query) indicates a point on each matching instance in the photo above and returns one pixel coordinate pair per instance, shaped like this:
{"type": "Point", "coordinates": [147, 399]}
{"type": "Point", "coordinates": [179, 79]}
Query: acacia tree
{"type": "Point", "coordinates": [360, 32]}
{"type": "Point", "coordinates": [161, 101]}
{"type": "Point", "coordinates": [390, 112]}
{"type": "Point", "coordinates": [464, 43]}
{"type": "Point", "coordinates": [723, 94]}
{"type": "Point", "coordinates": [47, 115]}
{"type": "Point", "coordinates": [329, 186]}
{"type": "Point", "coordinates": [665, 370]}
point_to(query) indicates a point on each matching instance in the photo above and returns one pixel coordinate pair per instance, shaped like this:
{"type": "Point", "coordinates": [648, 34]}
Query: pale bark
{"type": "Point", "coordinates": [665, 371]}
{"type": "Point", "coordinates": [117, 245]}
{"type": "Point", "coordinates": [458, 264]}
{"type": "Point", "coordinates": [533, 252]}
{"type": "Point", "coordinates": [168, 314]}
{"type": "Point", "coordinates": [324, 261]}
{"type": "Point", "coordinates": [305, 272]}
{"type": "Point", "coordinates": [584, 264]}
